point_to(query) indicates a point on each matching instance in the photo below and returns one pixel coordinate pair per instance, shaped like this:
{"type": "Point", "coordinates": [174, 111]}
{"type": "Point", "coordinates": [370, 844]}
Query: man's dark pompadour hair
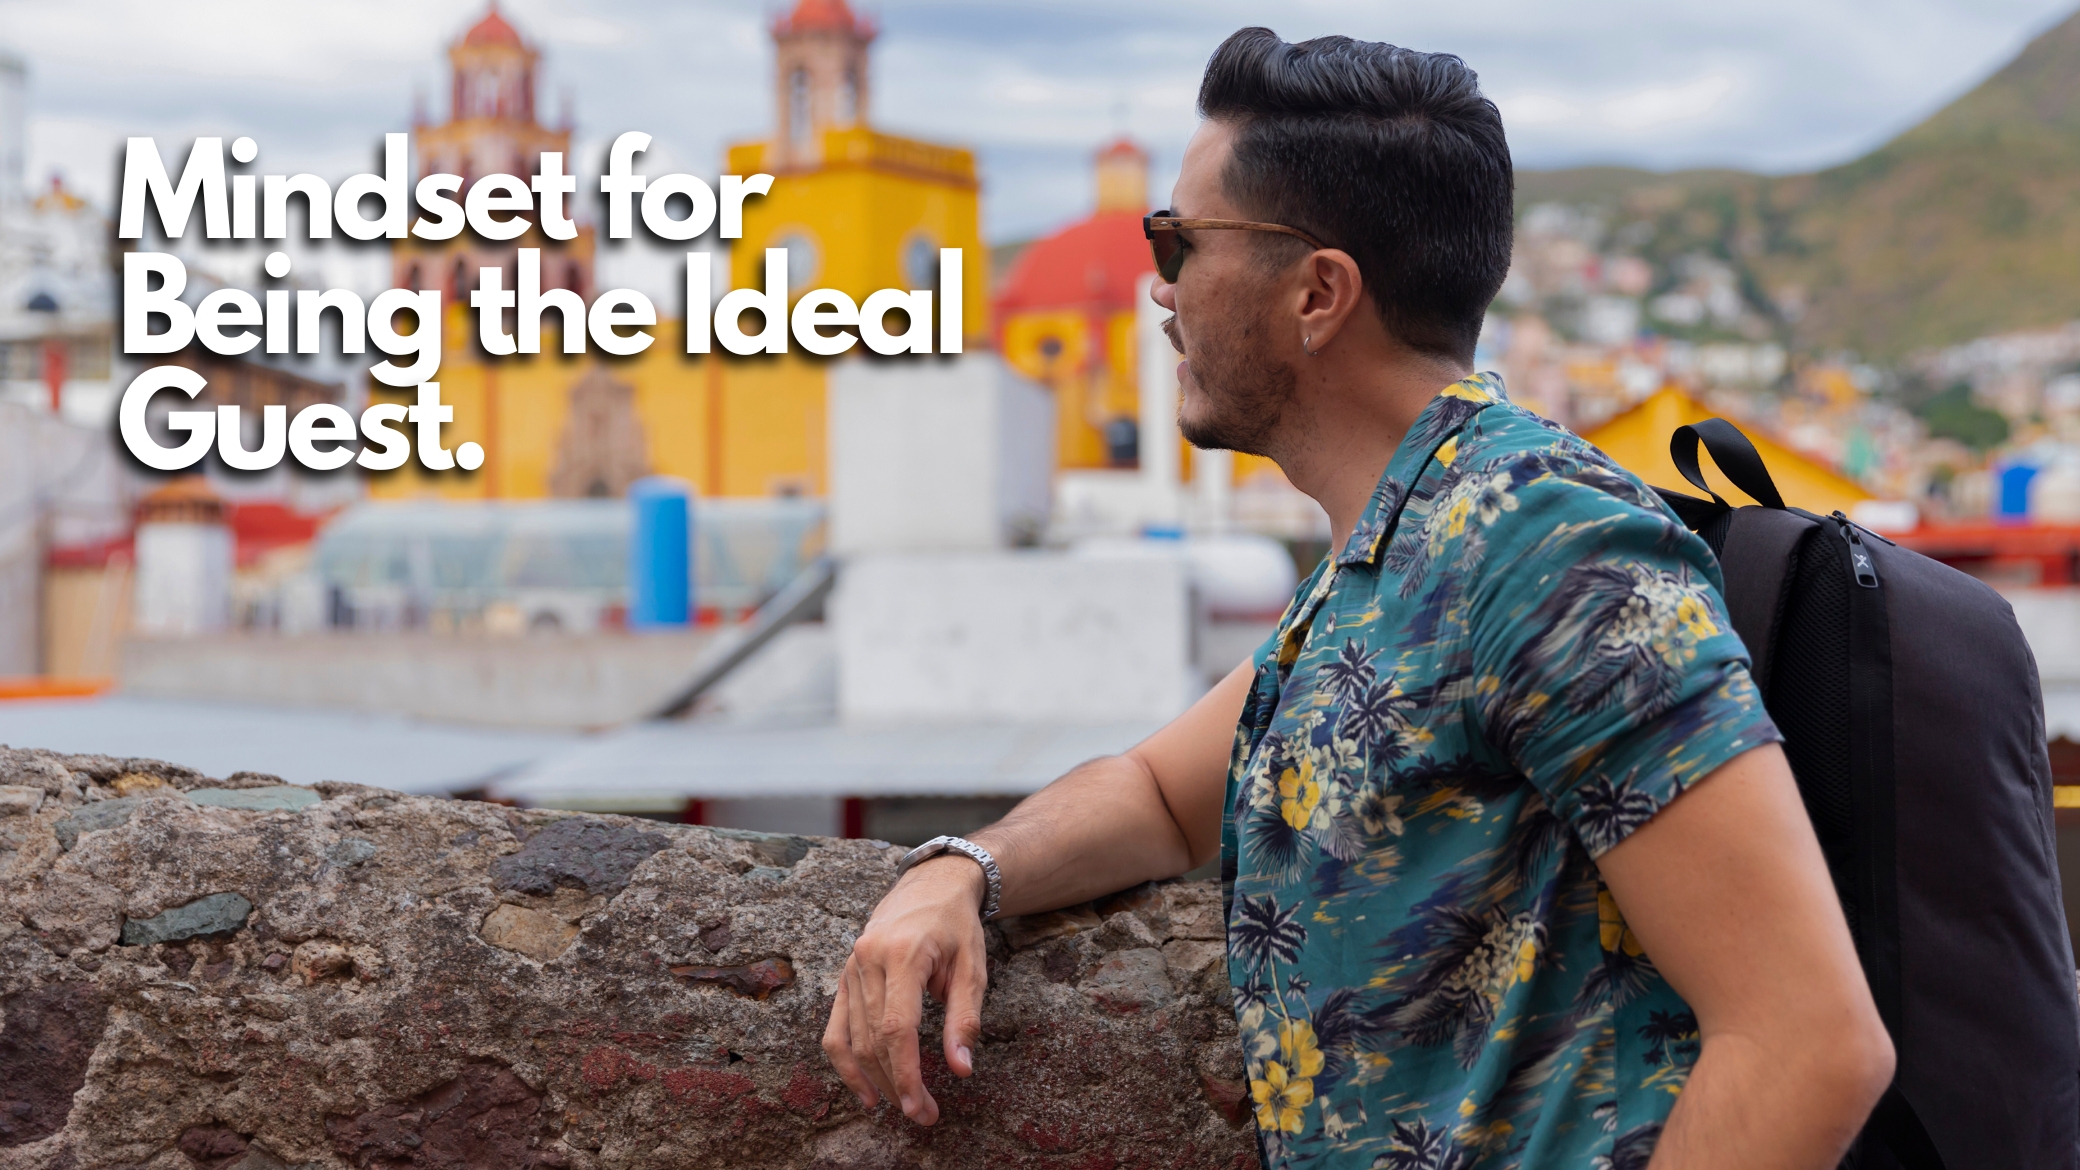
{"type": "Point", "coordinates": [1389, 154]}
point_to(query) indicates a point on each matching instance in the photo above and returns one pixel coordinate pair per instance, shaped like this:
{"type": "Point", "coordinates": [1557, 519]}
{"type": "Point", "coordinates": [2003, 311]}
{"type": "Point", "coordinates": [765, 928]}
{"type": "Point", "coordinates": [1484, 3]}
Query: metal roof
{"type": "Point", "coordinates": [661, 765]}
{"type": "Point", "coordinates": [301, 746]}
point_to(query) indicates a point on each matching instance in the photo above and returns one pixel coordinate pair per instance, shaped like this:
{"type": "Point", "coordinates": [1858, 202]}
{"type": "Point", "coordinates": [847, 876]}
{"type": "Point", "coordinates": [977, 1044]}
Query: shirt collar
{"type": "Point", "coordinates": [1435, 433]}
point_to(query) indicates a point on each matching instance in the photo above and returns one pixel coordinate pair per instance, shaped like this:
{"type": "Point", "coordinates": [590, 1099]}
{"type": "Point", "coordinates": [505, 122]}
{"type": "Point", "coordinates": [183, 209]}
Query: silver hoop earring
{"type": "Point", "coordinates": [1308, 341]}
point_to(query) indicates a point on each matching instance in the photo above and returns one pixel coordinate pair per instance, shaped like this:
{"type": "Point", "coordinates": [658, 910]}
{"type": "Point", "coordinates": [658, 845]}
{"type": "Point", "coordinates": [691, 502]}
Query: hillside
{"type": "Point", "coordinates": [1965, 225]}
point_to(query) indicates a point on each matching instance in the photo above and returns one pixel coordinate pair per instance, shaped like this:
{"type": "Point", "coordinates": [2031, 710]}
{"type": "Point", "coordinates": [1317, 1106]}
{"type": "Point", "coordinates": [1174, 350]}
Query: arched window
{"type": "Point", "coordinates": [848, 98]}
{"type": "Point", "coordinates": [798, 107]}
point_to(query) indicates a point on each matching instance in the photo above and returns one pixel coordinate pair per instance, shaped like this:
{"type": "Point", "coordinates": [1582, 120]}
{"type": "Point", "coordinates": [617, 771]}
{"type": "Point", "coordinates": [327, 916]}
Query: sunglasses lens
{"type": "Point", "coordinates": [1169, 255]}
{"type": "Point", "coordinates": [1167, 247]}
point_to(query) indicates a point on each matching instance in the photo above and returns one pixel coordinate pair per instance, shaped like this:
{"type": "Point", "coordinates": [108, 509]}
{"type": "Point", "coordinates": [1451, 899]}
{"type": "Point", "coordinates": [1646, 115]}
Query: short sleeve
{"type": "Point", "coordinates": [1605, 669]}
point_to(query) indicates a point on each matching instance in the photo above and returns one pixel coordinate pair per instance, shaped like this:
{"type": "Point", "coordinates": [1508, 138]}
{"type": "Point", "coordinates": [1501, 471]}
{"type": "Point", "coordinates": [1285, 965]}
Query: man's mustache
{"type": "Point", "coordinates": [1170, 331]}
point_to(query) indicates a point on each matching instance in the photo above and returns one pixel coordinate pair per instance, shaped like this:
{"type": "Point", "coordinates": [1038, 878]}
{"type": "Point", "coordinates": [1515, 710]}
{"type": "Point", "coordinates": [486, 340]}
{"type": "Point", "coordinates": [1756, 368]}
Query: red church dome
{"type": "Point", "coordinates": [492, 30]}
{"type": "Point", "coordinates": [1091, 266]}
{"type": "Point", "coordinates": [823, 16]}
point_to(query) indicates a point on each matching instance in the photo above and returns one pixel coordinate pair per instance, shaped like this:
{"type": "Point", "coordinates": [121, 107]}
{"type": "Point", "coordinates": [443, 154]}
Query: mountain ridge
{"type": "Point", "coordinates": [1965, 224]}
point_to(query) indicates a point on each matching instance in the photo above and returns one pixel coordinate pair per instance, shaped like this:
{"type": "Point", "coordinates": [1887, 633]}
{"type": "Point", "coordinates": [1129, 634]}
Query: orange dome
{"type": "Point", "coordinates": [492, 30]}
{"type": "Point", "coordinates": [187, 499]}
{"type": "Point", "coordinates": [1093, 266]}
{"type": "Point", "coordinates": [823, 16]}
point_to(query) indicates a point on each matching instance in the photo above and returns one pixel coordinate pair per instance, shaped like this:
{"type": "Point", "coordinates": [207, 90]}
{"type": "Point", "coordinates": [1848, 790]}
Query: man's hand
{"type": "Point", "coordinates": [926, 935]}
{"type": "Point", "coordinates": [1109, 824]}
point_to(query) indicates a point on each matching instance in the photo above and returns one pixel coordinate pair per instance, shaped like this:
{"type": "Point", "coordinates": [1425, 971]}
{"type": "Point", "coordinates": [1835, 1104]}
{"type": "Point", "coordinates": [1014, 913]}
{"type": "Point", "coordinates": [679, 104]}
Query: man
{"type": "Point", "coordinates": [1519, 875]}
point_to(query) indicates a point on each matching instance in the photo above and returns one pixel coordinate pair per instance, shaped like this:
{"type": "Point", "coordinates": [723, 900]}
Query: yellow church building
{"type": "Point", "coordinates": [857, 209]}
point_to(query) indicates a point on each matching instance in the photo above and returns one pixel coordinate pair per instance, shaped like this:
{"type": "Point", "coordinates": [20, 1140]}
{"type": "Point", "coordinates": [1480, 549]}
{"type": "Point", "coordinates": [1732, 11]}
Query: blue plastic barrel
{"type": "Point", "coordinates": [660, 563]}
{"type": "Point", "coordinates": [2014, 479]}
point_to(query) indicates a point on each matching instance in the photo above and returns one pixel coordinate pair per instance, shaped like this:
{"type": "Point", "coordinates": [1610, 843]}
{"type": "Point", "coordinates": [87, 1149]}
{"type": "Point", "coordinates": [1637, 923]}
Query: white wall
{"type": "Point", "coordinates": [14, 128]}
{"type": "Point", "coordinates": [2050, 621]}
{"type": "Point", "coordinates": [936, 455]}
{"type": "Point", "coordinates": [183, 578]}
{"type": "Point", "coordinates": [59, 485]}
{"type": "Point", "coordinates": [562, 683]}
{"type": "Point", "coordinates": [1159, 437]}
{"type": "Point", "coordinates": [1020, 637]}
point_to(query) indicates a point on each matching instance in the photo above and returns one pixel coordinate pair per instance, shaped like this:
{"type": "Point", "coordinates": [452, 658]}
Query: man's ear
{"type": "Point", "coordinates": [1331, 288]}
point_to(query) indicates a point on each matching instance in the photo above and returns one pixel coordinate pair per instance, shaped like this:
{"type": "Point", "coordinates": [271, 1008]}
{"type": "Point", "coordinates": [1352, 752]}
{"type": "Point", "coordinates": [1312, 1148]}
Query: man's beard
{"type": "Point", "coordinates": [1243, 391]}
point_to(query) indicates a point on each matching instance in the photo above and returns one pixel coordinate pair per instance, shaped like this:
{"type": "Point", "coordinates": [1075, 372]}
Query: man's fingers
{"type": "Point", "coordinates": [895, 1044]}
{"type": "Point", "coordinates": [837, 1045]}
{"type": "Point", "coordinates": [924, 934]}
{"type": "Point", "coordinates": [860, 1013]}
{"type": "Point", "coordinates": [965, 983]}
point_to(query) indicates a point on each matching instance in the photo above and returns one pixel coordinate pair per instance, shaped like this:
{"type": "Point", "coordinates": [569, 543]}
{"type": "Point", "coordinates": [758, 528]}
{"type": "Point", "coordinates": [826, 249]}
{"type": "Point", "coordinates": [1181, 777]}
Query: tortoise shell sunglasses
{"type": "Point", "coordinates": [1162, 228]}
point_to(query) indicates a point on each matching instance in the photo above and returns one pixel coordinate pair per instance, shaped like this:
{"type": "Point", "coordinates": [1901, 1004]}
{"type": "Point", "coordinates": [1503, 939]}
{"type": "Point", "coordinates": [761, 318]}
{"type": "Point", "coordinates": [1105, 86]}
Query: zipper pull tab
{"type": "Point", "coordinates": [1860, 565]}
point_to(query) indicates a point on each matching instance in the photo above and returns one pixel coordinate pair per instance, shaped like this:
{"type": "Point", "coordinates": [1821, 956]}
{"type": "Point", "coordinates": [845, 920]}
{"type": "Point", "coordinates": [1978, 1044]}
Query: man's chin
{"type": "Point", "coordinates": [1208, 436]}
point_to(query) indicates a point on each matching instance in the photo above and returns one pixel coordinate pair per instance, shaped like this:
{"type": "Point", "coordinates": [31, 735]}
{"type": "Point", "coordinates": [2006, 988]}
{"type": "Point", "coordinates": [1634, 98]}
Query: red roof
{"type": "Point", "coordinates": [257, 528]}
{"type": "Point", "coordinates": [823, 16]}
{"type": "Point", "coordinates": [1092, 266]}
{"type": "Point", "coordinates": [261, 527]}
{"type": "Point", "coordinates": [94, 554]}
{"type": "Point", "coordinates": [1123, 146]}
{"type": "Point", "coordinates": [492, 30]}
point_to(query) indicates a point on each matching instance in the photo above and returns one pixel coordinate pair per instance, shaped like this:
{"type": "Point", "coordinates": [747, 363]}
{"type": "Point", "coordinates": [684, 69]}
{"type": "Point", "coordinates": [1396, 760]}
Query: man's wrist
{"type": "Point", "coordinates": [981, 857]}
{"type": "Point", "coordinates": [956, 868]}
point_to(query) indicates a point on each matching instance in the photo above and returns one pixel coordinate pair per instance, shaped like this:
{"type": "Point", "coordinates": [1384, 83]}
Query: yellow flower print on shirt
{"type": "Point", "coordinates": [1695, 616]}
{"type": "Point", "coordinates": [1297, 1044]}
{"type": "Point", "coordinates": [1299, 792]}
{"type": "Point", "coordinates": [1282, 1100]}
{"type": "Point", "coordinates": [1611, 928]}
{"type": "Point", "coordinates": [1527, 959]}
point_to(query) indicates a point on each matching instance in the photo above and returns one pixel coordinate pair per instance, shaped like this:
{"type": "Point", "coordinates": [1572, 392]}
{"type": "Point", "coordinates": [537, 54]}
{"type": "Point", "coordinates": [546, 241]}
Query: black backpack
{"type": "Point", "coordinates": [1914, 723]}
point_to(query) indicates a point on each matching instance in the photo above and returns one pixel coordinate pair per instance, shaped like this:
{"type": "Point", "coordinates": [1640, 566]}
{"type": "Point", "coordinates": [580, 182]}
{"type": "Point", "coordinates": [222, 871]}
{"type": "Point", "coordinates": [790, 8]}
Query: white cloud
{"type": "Point", "coordinates": [1537, 109]}
{"type": "Point", "coordinates": [1658, 106]}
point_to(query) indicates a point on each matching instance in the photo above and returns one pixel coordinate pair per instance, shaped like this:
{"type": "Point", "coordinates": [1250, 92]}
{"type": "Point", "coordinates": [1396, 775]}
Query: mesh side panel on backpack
{"type": "Point", "coordinates": [1809, 694]}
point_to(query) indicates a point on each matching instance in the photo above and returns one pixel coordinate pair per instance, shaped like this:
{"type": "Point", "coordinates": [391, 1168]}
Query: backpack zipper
{"type": "Point", "coordinates": [1861, 567]}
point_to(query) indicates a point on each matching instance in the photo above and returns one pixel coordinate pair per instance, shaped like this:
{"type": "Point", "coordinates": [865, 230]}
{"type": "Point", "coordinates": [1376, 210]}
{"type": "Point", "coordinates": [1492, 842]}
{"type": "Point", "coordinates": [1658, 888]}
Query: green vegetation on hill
{"type": "Point", "coordinates": [1965, 225]}
{"type": "Point", "coordinates": [1953, 415]}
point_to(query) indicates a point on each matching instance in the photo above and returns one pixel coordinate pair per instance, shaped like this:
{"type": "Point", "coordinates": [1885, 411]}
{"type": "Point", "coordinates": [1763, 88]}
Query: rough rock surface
{"type": "Point", "coordinates": [374, 980]}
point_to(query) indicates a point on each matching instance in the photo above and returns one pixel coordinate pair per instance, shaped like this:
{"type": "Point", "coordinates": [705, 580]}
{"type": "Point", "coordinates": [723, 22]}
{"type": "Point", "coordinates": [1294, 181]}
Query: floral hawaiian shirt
{"type": "Point", "coordinates": [1518, 658]}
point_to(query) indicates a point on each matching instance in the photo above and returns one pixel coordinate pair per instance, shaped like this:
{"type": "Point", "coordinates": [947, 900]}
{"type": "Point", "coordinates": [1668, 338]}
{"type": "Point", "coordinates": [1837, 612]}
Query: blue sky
{"type": "Point", "coordinates": [1770, 84]}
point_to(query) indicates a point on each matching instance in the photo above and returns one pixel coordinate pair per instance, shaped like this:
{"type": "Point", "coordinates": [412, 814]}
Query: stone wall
{"type": "Point", "coordinates": [200, 973]}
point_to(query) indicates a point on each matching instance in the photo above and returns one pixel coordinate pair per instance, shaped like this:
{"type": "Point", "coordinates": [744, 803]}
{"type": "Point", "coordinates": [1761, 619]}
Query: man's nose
{"type": "Point", "coordinates": [1163, 293]}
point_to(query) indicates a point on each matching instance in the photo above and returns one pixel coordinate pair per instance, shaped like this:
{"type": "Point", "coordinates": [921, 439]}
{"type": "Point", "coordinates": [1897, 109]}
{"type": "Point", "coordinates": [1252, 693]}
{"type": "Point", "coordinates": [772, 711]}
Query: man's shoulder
{"type": "Point", "coordinates": [1505, 432]}
{"type": "Point", "coordinates": [1506, 439]}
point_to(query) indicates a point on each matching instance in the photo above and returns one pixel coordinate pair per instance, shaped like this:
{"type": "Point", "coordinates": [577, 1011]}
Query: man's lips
{"type": "Point", "coordinates": [1177, 343]}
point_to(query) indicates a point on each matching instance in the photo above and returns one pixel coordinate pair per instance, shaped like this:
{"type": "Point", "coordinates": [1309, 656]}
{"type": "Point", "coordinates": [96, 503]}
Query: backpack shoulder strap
{"type": "Point", "coordinates": [1761, 545]}
{"type": "Point", "coordinates": [1737, 458]}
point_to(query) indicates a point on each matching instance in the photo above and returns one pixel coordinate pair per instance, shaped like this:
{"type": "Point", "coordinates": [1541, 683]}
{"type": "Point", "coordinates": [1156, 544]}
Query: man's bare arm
{"type": "Point", "coordinates": [1729, 895]}
{"type": "Point", "coordinates": [1153, 812]}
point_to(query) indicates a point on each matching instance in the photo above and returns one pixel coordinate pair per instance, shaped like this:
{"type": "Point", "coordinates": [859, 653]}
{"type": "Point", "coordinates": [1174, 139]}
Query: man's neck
{"type": "Point", "coordinates": [1351, 410]}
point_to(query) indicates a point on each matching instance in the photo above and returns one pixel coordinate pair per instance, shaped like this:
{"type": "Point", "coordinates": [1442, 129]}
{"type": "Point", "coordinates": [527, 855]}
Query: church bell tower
{"type": "Point", "coordinates": [493, 127]}
{"type": "Point", "coordinates": [821, 71]}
